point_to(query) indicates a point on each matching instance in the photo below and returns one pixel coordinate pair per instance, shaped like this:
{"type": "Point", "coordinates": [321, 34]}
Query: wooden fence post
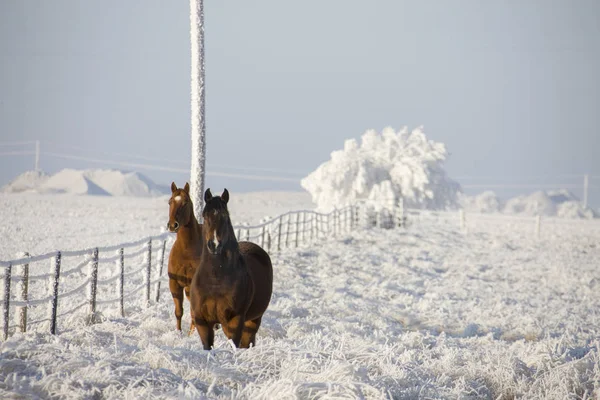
{"type": "Point", "coordinates": [248, 234]}
{"type": "Point", "coordinates": [54, 287]}
{"type": "Point", "coordinates": [401, 219]}
{"type": "Point", "coordinates": [463, 220]}
{"type": "Point", "coordinates": [297, 227]}
{"type": "Point", "coordinates": [279, 233]}
{"type": "Point", "coordinates": [287, 231]}
{"type": "Point", "coordinates": [239, 235]}
{"type": "Point", "coordinates": [161, 261]}
{"type": "Point", "coordinates": [121, 280]}
{"type": "Point", "coordinates": [148, 272]}
{"type": "Point", "coordinates": [93, 286]}
{"type": "Point", "coordinates": [268, 242]}
{"type": "Point", "coordinates": [262, 236]}
{"type": "Point", "coordinates": [24, 295]}
{"type": "Point", "coordinates": [7, 273]}
{"type": "Point", "coordinates": [303, 226]}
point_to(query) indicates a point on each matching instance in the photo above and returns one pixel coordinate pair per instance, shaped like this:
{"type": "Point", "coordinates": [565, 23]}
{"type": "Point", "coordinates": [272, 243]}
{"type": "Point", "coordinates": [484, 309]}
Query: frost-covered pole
{"type": "Point", "coordinates": [197, 96]}
{"type": "Point", "coordinates": [37, 155]}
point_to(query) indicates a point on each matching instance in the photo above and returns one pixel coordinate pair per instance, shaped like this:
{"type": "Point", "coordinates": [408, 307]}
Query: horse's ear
{"type": "Point", "coordinates": [225, 196]}
{"type": "Point", "coordinates": [207, 195]}
{"type": "Point", "coordinates": [173, 187]}
{"type": "Point", "coordinates": [186, 188]}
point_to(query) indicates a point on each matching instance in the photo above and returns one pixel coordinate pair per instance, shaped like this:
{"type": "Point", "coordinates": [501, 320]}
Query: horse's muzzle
{"type": "Point", "coordinates": [173, 228]}
{"type": "Point", "coordinates": [212, 249]}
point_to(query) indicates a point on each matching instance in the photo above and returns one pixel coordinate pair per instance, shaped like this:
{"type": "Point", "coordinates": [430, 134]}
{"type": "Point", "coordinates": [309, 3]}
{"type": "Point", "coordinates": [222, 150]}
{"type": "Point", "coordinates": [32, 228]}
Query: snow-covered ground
{"type": "Point", "coordinates": [42, 223]}
{"type": "Point", "coordinates": [428, 311]}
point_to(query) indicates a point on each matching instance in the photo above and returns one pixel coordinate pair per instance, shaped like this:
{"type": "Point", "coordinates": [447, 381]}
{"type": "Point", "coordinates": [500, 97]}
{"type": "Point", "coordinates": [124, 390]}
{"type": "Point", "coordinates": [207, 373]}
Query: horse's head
{"type": "Point", "coordinates": [217, 229]}
{"type": "Point", "coordinates": [180, 207]}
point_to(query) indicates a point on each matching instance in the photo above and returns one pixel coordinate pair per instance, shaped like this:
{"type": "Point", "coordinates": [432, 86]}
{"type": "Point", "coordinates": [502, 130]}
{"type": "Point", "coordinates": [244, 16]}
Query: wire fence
{"type": "Point", "coordinates": [44, 290]}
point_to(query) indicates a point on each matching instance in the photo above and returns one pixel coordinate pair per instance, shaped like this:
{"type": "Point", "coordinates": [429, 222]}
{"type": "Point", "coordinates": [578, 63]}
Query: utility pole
{"type": "Point", "coordinates": [197, 102]}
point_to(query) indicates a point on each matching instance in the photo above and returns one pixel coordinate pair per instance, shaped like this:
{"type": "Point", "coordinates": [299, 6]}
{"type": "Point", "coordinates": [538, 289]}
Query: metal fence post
{"type": "Point", "coordinates": [7, 273]}
{"type": "Point", "coordinates": [24, 295]}
{"type": "Point", "coordinates": [93, 286]}
{"type": "Point", "coordinates": [161, 261]}
{"type": "Point", "coordinates": [54, 287]}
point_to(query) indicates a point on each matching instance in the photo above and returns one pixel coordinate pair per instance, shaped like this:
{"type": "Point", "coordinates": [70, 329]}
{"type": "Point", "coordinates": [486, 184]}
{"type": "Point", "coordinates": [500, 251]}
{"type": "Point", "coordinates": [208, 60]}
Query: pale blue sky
{"type": "Point", "coordinates": [512, 87]}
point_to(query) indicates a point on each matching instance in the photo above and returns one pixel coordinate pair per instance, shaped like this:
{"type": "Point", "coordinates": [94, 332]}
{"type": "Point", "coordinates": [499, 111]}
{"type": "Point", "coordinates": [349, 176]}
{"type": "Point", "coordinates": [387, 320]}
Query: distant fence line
{"type": "Point", "coordinates": [145, 269]}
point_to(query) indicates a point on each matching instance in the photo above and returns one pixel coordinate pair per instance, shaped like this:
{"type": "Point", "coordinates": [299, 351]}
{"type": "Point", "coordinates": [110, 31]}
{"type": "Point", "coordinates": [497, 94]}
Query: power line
{"type": "Point", "coordinates": [17, 143]}
{"type": "Point", "coordinates": [179, 162]}
{"type": "Point", "coordinates": [18, 153]}
{"type": "Point", "coordinates": [525, 186]}
{"type": "Point", "coordinates": [520, 177]}
{"type": "Point", "coordinates": [171, 169]}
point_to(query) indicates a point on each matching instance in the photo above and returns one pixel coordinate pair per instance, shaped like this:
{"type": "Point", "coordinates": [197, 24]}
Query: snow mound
{"type": "Point", "coordinates": [382, 169]}
{"type": "Point", "coordinates": [553, 203]}
{"type": "Point", "coordinates": [486, 202]}
{"type": "Point", "coordinates": [26, 182]}
{"type": "Point", "coordinates": [87, 182]}
{"type": "Point", "coordinates": [560, 203]}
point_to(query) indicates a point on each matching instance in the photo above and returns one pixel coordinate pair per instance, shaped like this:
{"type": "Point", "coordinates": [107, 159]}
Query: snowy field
{"type": "Point", "coordinates": [424, 312]}
{"type": "Point", "coordinates": [37, 223]}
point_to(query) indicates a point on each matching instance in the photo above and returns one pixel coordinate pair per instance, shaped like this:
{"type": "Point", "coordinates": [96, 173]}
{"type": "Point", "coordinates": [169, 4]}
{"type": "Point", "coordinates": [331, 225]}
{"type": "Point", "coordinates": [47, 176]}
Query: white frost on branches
{"type": "Point", "coordinates": [383, 168]}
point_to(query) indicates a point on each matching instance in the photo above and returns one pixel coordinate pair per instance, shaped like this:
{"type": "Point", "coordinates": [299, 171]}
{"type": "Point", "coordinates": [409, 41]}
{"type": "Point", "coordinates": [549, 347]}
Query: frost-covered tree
{"type": "Point", "coordinates": [197, 95]}
{"type": "Point", "coordinates": [383, 168]}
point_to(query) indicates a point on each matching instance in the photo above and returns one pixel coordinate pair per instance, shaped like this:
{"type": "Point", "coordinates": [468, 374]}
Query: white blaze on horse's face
{"type": "Point", "coordinates": [177, 198]}
{"type": "Point", "coordinates": [216, 239]}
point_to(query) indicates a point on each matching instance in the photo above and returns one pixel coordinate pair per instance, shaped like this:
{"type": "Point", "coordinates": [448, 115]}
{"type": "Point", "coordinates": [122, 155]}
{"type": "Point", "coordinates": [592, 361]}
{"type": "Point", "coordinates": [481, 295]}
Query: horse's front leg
{"type": "Point", "coordinates": [177, 293]}
{"type": "Point", "coordinates": [233, 329]}
{"type": "Point", "coordinates": [206, 332]}
{"type": "Point", "coordinates": [187, 294]}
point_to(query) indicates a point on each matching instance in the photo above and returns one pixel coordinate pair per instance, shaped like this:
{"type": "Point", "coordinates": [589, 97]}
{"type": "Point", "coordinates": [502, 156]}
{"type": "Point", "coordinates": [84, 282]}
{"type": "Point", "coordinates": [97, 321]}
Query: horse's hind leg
{"type": "Point", "coordinates": [177, 293]}
{"type": "Point", "coordinates": [249, 332]}
{"type": "Point", "coordinates": [192, 325]}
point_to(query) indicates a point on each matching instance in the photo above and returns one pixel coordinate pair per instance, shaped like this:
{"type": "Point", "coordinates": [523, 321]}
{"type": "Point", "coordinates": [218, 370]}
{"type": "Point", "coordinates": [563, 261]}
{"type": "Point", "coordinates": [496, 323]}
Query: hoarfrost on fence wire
{"type": "Point", "coordinates": [383, 168]}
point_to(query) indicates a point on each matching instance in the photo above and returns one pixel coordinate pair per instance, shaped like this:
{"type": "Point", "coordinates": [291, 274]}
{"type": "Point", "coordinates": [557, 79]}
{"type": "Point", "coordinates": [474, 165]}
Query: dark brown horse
{"type": "Point", "coordinates": [233, 284]}
{"type": "Point", "coordinates": [187, 249]}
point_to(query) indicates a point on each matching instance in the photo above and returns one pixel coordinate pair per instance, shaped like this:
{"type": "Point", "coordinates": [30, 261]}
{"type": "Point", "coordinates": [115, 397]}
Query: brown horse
{"type": "Point", "coordinates": [187, 249]}
{"type": "Point", "coordinates": [233, 284]}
